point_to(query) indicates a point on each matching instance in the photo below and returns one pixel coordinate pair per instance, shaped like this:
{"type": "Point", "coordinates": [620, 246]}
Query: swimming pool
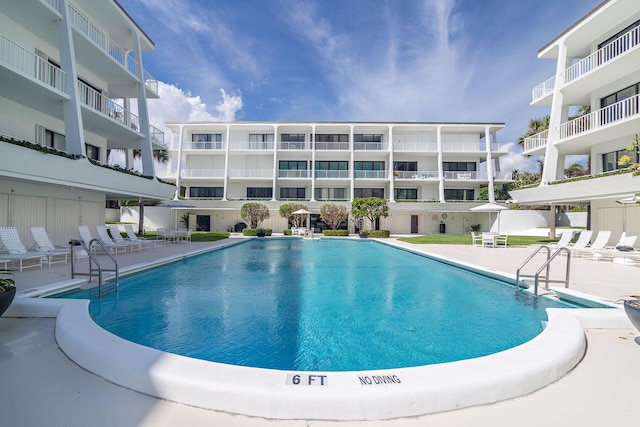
{"type": "Point", "coordinates": [294, 394]}
{"type": "Point", "coordinates": [324, 305]}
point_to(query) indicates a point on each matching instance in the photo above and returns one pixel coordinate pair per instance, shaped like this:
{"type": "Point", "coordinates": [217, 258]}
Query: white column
{"type": "Point", "coordinates": [73, 128]}
{"type": "Point", "coordinates": [179, 165]}
{"type": "Point", "coordinates": [351, 167]}
{"type": "Point", "coordinates": [226, 161]}
{"type": "Point", "coordinates": [275, 162]}
{"type": "Point", "coordinates": [391, 197]}
{"type": "Point", "coordinates": [487, 140]}
{"type": "Point", "coordinates": [440, 171]}
{"type": "Point", "coordinates": [148, 167]}
{"type": "Point", "coordinates": [312, 166]}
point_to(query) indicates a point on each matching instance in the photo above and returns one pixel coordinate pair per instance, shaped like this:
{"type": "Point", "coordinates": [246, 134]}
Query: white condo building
{"type": "Point", "coordinates": [430, 173]}
{"type": "Point", "coordinates": [69, 70]}
{"type": "Point", "coordinates": [597, 65]}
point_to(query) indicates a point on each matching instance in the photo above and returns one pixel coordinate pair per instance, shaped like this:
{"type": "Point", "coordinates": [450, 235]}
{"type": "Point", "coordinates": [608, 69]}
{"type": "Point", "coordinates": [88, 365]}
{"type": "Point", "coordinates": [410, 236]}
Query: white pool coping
{"type": "Point", "coordinates": [362, 395]}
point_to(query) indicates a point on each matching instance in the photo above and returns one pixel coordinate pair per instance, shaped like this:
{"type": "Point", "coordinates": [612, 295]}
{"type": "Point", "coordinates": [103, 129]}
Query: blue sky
{"type": "Point", "coordinates": [359, 60]}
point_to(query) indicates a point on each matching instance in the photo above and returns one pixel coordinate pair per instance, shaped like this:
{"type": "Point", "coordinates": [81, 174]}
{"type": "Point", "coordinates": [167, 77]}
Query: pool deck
{"type": "Point", "coordinates": [41, 386]}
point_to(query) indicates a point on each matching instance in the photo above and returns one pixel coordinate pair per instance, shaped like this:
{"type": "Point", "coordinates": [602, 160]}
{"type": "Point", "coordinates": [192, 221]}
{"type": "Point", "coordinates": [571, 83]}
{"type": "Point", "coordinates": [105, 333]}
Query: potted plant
{"type": "Point", "coordinates": [632, 308]}
{"type": "Point", "coordinates": [7, 290]}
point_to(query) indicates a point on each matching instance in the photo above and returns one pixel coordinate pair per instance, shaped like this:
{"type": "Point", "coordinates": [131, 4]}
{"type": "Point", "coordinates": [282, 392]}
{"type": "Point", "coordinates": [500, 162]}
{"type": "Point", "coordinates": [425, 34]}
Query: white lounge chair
{"type": "Point", "coordinates": [501, 240]}
{"type": "Point", "coordinates": [597, 247]}
{"type": "Point", "coordinates": [108, 241]}
{"type": "Point", "coordinates": [43, 244]}
{"type": "Point", "coordinates": [86, 236]}
{"type": "Point", "coordinates": [118, 239]}
{"type": "Point", "coordinates": [565, 240]}
{"type": "Point", "coordinates": [583, 242]}
{"type": "Point", "coordinates": [131, 235]}
{"type": "Point", "coordinates": [16, 251]}
{"type": "Point", "coordinates": [476, 239]}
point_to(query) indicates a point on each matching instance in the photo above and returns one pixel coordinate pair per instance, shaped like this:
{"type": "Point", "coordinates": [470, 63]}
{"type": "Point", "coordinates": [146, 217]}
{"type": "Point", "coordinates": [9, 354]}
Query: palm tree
{"type": "Point", "coordinates": [536, 126]}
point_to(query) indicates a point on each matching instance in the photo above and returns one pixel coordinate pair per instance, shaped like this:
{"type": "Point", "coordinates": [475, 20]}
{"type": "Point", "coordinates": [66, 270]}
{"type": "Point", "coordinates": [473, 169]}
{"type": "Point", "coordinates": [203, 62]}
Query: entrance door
{"type": "Point", "coordinates": [203, 222]}
{"type": "Point", "coordinates": [414, 224]}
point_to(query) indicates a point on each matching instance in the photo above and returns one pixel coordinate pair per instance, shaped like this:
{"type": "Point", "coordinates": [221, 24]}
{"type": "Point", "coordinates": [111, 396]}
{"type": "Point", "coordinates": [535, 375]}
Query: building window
{"type": "Point", "coordinates": [326, 141]}
{"type": "Point", "coordinates": [459, 167]}
{"type": "Point", "coordinates": [206, 141]}
{"type": "Point", "coordinates": [93, 152]}
{"type": "Point", "coordinates": [621, 111]}
{"type": "Point", "coordinates": [610, 160]}
{"type": "Point", "coordinates": [368, 166]}
{"type": "Point", "coordinates": [368, 192]}
{"type": "Point", "coordinates": [332, 169]}
{"type": "Point", "coordinates": [259, 192]}
{"type": "Point", "coordinates": [292, 137]}
{"type": "Point", "coordinates": [292, 193]}
{"type": "Point", "coordinates": [292, 169]}
{"type": "Point", "coordinates": [405, 193]}
{"type": "Point", "coordinates": [367, 141]}
{"type": "Point", "coordinates": [54, 140]}
{"type": "Point", "coordinates": [459, 194]}
{"type": "Point", "coordinates": [405, 166]}
{"type": "Point", "coordinates": [206, 192]}
{"type": "Point", "coordinates": [330, 193]}
{"type": "Point", "coordinates": [332, 137]}
{"type": "Point", "coordinates": [260, 140]}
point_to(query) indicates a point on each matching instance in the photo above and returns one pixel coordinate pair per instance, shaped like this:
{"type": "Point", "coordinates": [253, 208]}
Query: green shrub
{"type": "Point", "coordinates": [340, 233]}
{"type": "Point", "coordinates": [254, 231]}
{"type": "Point", "coordinates": [286, 232]}
{"type": "Point", "coordinates": [379, 233]}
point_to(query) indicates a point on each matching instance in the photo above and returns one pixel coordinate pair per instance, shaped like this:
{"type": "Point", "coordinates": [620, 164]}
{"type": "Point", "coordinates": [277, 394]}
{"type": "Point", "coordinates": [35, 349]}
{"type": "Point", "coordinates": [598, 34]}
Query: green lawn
{"type": "Point", "coordinates": [465, 239]}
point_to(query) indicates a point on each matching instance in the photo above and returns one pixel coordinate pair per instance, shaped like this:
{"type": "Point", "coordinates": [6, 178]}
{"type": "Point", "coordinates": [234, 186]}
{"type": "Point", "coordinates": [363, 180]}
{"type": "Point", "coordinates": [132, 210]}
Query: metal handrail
{"type": "Point", "coordinates": [546, 265]}
{"type": "Point", "coordinates": [94, 260]}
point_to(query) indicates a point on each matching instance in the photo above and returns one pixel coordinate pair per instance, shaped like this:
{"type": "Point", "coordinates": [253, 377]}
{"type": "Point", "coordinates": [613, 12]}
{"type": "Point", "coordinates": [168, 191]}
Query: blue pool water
{"type": "Point", "coordinates": [323, 305]}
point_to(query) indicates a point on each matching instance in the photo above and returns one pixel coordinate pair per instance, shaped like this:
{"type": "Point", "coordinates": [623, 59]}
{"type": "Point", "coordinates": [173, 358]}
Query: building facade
{"type": "Point", "coordinates": [598, 66]}
{"type": "Point", "coordinates": [430, 173]}
{"type": "Point", "coordinates": [69, 71]}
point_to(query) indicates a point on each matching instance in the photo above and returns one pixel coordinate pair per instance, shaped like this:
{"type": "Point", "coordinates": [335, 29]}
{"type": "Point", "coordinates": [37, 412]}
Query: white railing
{"type": "Point", "coordinates": [332, 174]}
{"type": "Point", "coordinates": [294, 145]}
{"type": "Point", "coordinates": [415, 146]}
{"type": "Point", "coordinates": [203, 173]}
{"type": "Point", "coordinates": [536, 141]}
{"type": "Point", "coordinates": [251, 145]}
{"type": "Point", "coordinates": [465, 148]}
{"type": "Point", "coordinates": [30, 64]}
{"type": "Point", "coordinates": [543, 89]}
{"type": "Point", "coordinates": [461, 175]}
{"type": "Point", "coordinates": [370, 146]}
{"type": "Point", "coordinates": [368, 174]}
{"type": "Point", "coordinates": [331, 145]}
{"type": "Point", "coordinates": [156, 135]}
{"type": "Point", "coordinates": [98, 102]}
{"type": "Point", "coordinates": [91, 31]}
{"type": "Point", "coordinates": [415, 174]}
{"type": "Point", "coordinates": [613, 113]}
{"type": "Point", "coordinates": [606, 53]}
{"type": "Point", "coordinates": [251, 173]}
{"type": "Point", "coordinates": [503, 176]}
{"type": "Point", "coordinates": [294, 173]}
{"type": "Point", "coordinates": [212, 145]}
{"type": "Point", "coordinates": [53, 3]}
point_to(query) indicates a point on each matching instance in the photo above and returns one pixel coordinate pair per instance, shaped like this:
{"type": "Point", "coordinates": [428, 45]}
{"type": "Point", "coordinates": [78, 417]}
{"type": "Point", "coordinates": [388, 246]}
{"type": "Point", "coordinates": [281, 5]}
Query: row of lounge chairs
{"type": "Point", "coordinates": [600, 247]}
{"type": "Point", "coordinates": [112, 240]}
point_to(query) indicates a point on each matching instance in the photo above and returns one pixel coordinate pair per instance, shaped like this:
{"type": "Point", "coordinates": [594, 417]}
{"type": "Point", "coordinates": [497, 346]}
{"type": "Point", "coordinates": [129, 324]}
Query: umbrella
{"type": "Point", "coordinates": [491, 207]}
{"type": "Point", "coordinates": [304, 212]}
{"type": "Point", "coordinates": [175, 204]}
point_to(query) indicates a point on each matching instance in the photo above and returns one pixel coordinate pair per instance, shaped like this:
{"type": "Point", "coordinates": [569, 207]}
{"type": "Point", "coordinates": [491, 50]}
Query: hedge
{"type": "Point", "coordinates": [340, 233]}
{"type": "Point", "coordinates": [379, 233]}
{"type": "Point", "coordinates": [254, 231]}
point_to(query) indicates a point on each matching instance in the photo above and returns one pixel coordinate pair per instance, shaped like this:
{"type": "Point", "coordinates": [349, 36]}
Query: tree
{"type": "Point", "coordinates": [254, 213]}
{"type": "Point", "coordinates": [371, 208]}
{"type": "Point", "coordinates": [536, 126]}
{"type": "Point", "coordinates": [333, 215]}
{"type": "Point", "coordinates": [287, 210]}
{"type": "Point", "coordinates": [575, 169]}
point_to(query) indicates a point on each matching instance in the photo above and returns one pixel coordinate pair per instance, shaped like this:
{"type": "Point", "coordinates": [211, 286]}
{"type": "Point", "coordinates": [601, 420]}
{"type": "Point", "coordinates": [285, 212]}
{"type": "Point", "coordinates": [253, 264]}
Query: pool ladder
{"type": "Point", "coordinates": [102, 289]}
{"type": "Point", "coordinates": [546, 265]}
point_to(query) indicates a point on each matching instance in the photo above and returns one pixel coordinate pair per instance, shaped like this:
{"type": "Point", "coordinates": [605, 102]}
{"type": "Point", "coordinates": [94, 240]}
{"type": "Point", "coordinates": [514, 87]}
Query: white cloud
{"type": "Point", "coordinates": [516, 161]}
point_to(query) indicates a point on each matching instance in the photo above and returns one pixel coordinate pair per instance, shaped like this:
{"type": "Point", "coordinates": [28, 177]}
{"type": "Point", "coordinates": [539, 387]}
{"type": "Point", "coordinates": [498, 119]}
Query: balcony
{"type": "Point", "coordinates": [462, 175]}
{"type": "Point", "coordinates": [536, 144]}
{"type": "Point", "coordinates": [203, 173]}
{"type": "Point", "coordinates": [332, 145]}
{"type": "Point", "coordinates": [624, 111]}
{"type": "Point", "coordinates": [332, 174]}
{"type": "Point", "coordinates": [100, 39]}
{"type": "Point", "coordinates": [416, 146]}
{"type": "Point", "coordinates": [370, 174]}
{"type": "Point", "coordinates": [370, 146]}
{"type": "Point", "coordinates": [251, 173]}
{"type": "Point", "coordinates": [294, 173]}
{"type": "Point", "coordinates": [294, 145]}
{"type": "Point", "coordinates": [251, 146]}
{"type": "Point", "coordinates": [190, 145]}
{"type": "Point", "coordinates": [604, 56]}
{"type": "Point", "coordinates": [416, 174]}
{"type": "Point", "coordinates": [107, 107]}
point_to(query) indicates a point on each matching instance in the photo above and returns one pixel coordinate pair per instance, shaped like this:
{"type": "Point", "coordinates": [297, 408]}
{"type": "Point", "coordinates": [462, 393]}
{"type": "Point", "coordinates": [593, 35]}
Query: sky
{"type": "Point", "coordinates": [353, 60]}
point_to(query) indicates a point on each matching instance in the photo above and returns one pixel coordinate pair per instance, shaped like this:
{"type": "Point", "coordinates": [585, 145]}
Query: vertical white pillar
{"type": "Point", "coordinates": [487, 140]}
{"type": "Point", "coordinates": [275, 163]}
{"type": "Point", "coordinates": [180, 160]}
{"type": "Point", "coordinates": [148, 167]}
{"type": "Point", "coordinates": [351, 161]}
{"type": "Point", "coordinates": [312, 166]}
{"type": "Point", "coordinates": [391, 197]}
{"type": "Point", "coordinates": [227, 141]}
{"type": "Point", "coordinates": [440, 171]}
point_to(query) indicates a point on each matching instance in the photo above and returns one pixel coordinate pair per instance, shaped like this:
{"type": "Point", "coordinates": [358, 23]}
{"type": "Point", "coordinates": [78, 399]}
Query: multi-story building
{"type": "Point", "coordinates": [420, 168]}
{"type": "Point", "coordinates": [68, 71]}
{"type": "Point", "coordinates": [598, 65]}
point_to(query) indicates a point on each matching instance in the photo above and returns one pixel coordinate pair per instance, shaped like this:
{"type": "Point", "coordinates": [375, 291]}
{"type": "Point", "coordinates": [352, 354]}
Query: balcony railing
{"type": "Point", "coordinates": [331, 145]}
{"type": "Point", "coordinates": [415, 146]}
{"type": "Point", "coordinates": [466, 147]}
{"type": "Point", "coordinates": [294, 145]}
{"type": "Point", "coordinates": [215, 145]}
{"type": "Point", "coordinates": [91, 31]}
{"type": "Point", "coordinates": [536, 141]}
{"type": "Point", "coordinates": [332, 174]}
{"type": "Point", "coordinates": [613, 113]}
{"type": "Point", "coordinates": [251, 173]}
{"type": "Point", "coordinates": [368, 174]}
{"type": "Point", "coordinates": [246, 145]}
{"type": "Point", "coordinates": [503, 176]}
{"type": "Point", "coordinates": [370, 146]}
{"type": "Point", "coordinates": [543, 89]}
{"type": "Point", "coordinates": [100, 103]}
{"type": "Point", "coordinates": [294, 173]}
{"type": "Point", "coordinates": [27, 63]}
{"type": "Point", "coordinates": [203, 173]}
{"type": "Point", "coordinates": [461, 175]}
{"type": "Point", "coordinates": [415, 174]}
{"type": "Point", "coordinates": [157, 136]}
{"type": "Point", "coordinates": [53, 3]}
{"type": "Point", "coordinates": [603, 55]}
